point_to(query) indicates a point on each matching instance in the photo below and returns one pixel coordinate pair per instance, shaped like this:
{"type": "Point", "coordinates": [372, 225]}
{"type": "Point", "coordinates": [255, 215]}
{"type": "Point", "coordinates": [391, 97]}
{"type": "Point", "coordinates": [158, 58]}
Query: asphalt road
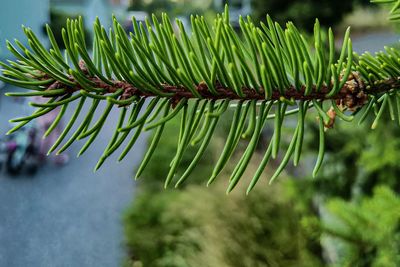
{"type": "Point", "coordinates": [65, 216]}
{"type": "Point", "coordinates": [374, 41]}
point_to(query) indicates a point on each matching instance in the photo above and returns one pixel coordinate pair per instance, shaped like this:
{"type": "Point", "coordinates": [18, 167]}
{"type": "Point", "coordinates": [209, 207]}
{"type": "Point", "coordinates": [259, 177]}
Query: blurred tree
{"type": "Point", "coordinates": [175, 8]}
{"type": "Point", "coordinates": [302, 12]}
{"type": "Point", "coordinates": [367, 232]}
{"type": "Point", "coordinates": [357, 213]}
{"type": "Point", "coordinates": [362, 2]}
{"type": "Point", "coordinates": [355, 166]}
{"type": "Point", "coordinates": [58, 21]}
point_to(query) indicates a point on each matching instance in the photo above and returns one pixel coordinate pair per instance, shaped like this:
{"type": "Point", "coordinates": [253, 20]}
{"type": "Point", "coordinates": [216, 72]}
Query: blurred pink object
{"type": "Point", "coordinates": [43, 123]}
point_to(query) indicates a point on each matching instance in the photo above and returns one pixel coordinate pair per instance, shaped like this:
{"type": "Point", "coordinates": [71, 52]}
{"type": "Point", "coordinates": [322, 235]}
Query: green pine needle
{"type": "Point", "coordinates": [269, 74]}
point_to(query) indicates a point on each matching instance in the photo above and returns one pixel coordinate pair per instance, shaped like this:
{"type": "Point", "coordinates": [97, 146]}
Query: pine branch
{"type": "Point", "coordinates": [268, 74]}
{"type": "Point", "coordinates": [352, 94]}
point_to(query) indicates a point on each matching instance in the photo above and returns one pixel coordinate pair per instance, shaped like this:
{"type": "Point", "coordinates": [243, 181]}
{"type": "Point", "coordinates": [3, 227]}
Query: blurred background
{"type": "Point", "coordinates": [55, 212]}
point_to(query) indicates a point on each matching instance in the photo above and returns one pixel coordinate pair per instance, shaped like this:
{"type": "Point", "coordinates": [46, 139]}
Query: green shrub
{"type": "Point", "coordinates": [202, 226]}
{"type": "Point", "coordinates": [356, 161]}
{"type": "Point", "coordinates": [357, 195]}
{"type": "Point", "coordinates": [58, 21]}
{"type": "Point", "coordinates": [303, 13]}
{"type": "Point", "coordinates": [278, 225]}
{"type": "Point", "coordinates": [366, 232]}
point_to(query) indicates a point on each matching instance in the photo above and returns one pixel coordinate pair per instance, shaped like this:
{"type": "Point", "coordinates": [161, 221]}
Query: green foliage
{"type": "Point", "coordinates": [354, 165]}
{"type": "Point", "coordinates": [198, 226]}
{"type": "Point", "coordinates": [267, 75]}
{"type": "Point", "coordinates": [160, 161]}
{"type": "Point", "coordinates": [172, 7]}
{"type": "Point", "coordinates": [395, 8]}
{"type": "Point", "coordinates": [367, 232]}
{"type": "Point", "coordinates": [191, 227]}
{"type": "Point", "coordinates": [202, 227]}
{"type": "Point", "coordinates": [57, 22]}
{"type": "Point", "coordinates": [303, 13]}
{"type": "Point", "coordinates": [360, 215]}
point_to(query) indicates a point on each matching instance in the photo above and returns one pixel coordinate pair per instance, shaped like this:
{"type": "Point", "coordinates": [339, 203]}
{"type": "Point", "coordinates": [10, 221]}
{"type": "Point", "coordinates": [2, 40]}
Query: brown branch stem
{"type": "Point", "coordinates": [353, 95]}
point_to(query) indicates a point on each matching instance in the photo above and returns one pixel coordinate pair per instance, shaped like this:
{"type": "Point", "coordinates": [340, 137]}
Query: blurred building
{"type": "Point", "coordinates": [90, 9]}
{"type": "Point", "coordinates": [13, 14]}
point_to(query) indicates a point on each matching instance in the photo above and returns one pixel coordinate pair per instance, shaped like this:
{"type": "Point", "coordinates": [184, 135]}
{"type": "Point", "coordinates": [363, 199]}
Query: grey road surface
{"type": "Point", "coordinates": [374, 41]}
{"type": "Point", "coordinates": [65, 216]}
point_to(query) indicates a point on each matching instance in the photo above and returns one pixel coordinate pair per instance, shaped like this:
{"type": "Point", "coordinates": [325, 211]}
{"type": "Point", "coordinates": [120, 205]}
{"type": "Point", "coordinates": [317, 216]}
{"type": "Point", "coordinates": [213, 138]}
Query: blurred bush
{"type": "Point", "coordinates": [356, 195]}
{"type": "Point", "coordinates": [173, 8]}
{"type": "Point", "coordinates": [58, 21]}
{"type": "Point", "coordinates": [202, 226]}
{"type": "Point", "coordinates": [358, 159]}
{"type": "Point", "coordinates": [344, 217]}
{"type": "Point", "coordinates": [366, 231]}
{"type": "Point", "coordinates": [301, 12]}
